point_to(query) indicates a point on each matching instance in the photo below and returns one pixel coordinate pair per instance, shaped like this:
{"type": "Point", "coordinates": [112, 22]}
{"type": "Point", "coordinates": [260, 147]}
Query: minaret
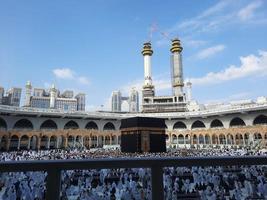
{"type": "Point", "coordinates": [177, 68]}
{"type": "Point", "coordinates": [28, 92]}
{"type": "Point", "coordinates": [189, 91]}
{"type": "Point", "coordinates": [148, 87]}
{"type": "Point", "coordinates": [53, 92]}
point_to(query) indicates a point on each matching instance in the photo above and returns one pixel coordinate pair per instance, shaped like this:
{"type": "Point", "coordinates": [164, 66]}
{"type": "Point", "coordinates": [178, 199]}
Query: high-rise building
{"type": "Point", "coordinates": [116, 101]}
{"type": "Point", "coordinates": [80, 101]}
{"type": "Point", "coordinates": [2, 91]}
{"type": "Point", "coordinates": [133, 101]}
{"type": "Point", "coordinates": [13, 97]}
{"type": "Point", "coordinates": [53, 100]}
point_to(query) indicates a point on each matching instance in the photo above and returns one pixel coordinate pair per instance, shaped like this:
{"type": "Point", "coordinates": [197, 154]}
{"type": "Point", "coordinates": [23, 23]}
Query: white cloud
{"type": "Point", "coordinates": [68, 74]}
{"type": "Point", "coordinates": [251, 65]}
{"type": "Point", "coordinates": [248, 11]}
{"type": "Point", "coordinates": [208, 52]}
{"type": "Point", "coordinates": [64, 73]}
{"type": "Point", "coordinates": [83, 80]}
{"type": "Point", "coordinates": [233, 97]}
{"type": "Point", "coordinates": [218, 17]}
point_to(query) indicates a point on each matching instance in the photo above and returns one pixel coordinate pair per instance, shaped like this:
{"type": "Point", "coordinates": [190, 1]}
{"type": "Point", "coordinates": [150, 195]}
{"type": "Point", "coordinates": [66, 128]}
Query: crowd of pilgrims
{"type": "Point", "coordinates": [208, 183]}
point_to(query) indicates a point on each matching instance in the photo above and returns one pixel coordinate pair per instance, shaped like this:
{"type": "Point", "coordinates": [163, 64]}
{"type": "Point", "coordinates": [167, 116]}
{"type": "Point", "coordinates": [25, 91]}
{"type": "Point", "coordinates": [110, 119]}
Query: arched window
{"type": "Point", "coordinates": [237, 122]}
{"type": "Point", "coordinates": [198, 124]}
{"type": "Point", "coordinates": [48, 124]}
{"type": "Point", "coordinates": [180, 139]}
{"type": "Point", "coordinates": [179, 125]}
{"type": "Point", "coordinates": [109, 126]}
{"type": "Point", "coordinates": [261, 119]}
{"type": "Point", "coordinates": [71, 125]}
{"type": "Point", "coordinates": [91, 125]}
{"type": "Point", "coordinates": [216, 124]}
{"type": "Point", "coordinates": [23, 124]}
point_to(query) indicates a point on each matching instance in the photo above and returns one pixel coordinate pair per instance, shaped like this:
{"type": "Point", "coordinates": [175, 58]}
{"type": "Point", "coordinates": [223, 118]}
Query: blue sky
{"type": "Point", "coordinates": [94, 46]}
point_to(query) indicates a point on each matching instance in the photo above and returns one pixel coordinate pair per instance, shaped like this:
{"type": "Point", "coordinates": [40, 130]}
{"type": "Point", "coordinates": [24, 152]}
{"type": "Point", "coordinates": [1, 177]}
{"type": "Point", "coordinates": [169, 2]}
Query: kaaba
{"type": "Point", "coordinates": [143, 134]}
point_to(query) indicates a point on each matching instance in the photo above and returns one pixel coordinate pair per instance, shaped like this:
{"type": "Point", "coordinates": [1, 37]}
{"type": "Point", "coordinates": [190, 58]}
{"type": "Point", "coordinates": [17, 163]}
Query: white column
{"type": "Point", "coordinates": [19, 144]}
{"type": "Point", "coordinates": [48, 143]}
{"type": "Point", "coordinates": [29, 143]}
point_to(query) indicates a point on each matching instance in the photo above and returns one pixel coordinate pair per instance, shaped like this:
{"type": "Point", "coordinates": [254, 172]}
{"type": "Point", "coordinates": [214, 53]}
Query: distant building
{"type": "Point", "coordinates": [53, 100]}
{"type": "Point", "coordinates": [116, 101]}
{"type": "Point", "coordinates": [132, 100]}
{"type": "Point", "coordinates": [12, 97]}
{"type": "Point", "coordinates": [80, 101]}
{"type": "Point", "coordinates": [2, 91]}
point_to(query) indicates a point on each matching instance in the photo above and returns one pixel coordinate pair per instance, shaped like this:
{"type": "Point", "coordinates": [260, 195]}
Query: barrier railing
{"type": "Point", "coordinates": [54, 168]}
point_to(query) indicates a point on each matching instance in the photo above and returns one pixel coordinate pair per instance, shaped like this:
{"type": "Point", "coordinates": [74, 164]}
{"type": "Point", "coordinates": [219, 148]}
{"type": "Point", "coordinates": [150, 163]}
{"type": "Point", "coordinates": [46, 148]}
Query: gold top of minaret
{"type": "Point", "coordinates": [176, 46]}
{"type": "Point", "coordinates": [147, 49]}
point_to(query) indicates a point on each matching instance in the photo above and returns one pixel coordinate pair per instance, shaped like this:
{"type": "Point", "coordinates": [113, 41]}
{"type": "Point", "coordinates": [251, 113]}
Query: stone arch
{"type": "Point", "coordinates": [260, 120]}
{"type": "Point", "coordinates": [257, 137]}
{"type": "Point", "coordinates": [3, 143]}
{"type": "Point", "coordinates": [23, 124]}
{"type": "Point", "coordinates": [246, 138]}
{"type": "Point", "coordinates": [187, 139]}
{"type": "Point", "coordinates": [109, 126]}
{"type": "Point", "coordinates": [100, 141]}
{"type": "Point", "coordinates": [61, 141]}
{"type": "Point", "coordinates": [216, 123]}
{"type": "Point", "coordinates": [33, 142]}
{"type": "Point", "coordinates": [222, 139]}
{"type": "Point", "coordinates": [48, 125]}
{"type": "Point", "coordinates": [179, 125]}
{"type": "Point", "coordinates": [107, 140]}
{"type": "Point", "coordinates": [238, 139]}
{"type": "Point", "coordinates": [71, 125]}
{"type": "Point", "coordinates": [230, 139]}
{"type": "Point", "coordinates": [86, 141]}
{"type": "Point", "coordinates": [94, 141]}
{"type": "Point", "coordinates": [174, 138]}
{"type": "Point", "coordinates": [180, 139]}
{"type": "Point", "coordinates": [167, 137]}
{"type": "Point", "coordinates": [53, 142]}
{"type": "Point", "coordinates": [215, 139]}
{"type": "Point", "coordinates": [79, 141]}
{"type": "Point", "coordinates": [3, 125]}
{"type": "Point", "coordinates": [237, 121]}
{"type": "Point", "coordinates": [14, 142]}
{"type": "Point", "coordinates": [44, 142]}
{"type": "Point", "coordinates": [113, 140]}
{"type": "Point", "coordinates": [198, 124]}
{"type": "Point", "coordinates": [201, 139]}
{"type": "Point", "coordinates": [91, 125]}
{"type": "Point", "coordinates": [71, 141]}
{"type": "Point", "coordinates": [207, 139]}
{"type": "Point", "coordinates": [195, 139]}
{"type": "Point", "coordinates": [24, 142]}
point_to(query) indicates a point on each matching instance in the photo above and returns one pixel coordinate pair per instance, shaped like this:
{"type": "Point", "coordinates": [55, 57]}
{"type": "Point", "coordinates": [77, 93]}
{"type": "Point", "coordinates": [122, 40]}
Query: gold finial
{"type": "Point", "coordinates": [147, 50]}
{"type": "Point", "coordinates": [176, 46]}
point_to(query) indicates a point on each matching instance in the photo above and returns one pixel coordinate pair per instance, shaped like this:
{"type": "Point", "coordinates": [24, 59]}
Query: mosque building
{"type": "Point", "coordinates": [187, 124]}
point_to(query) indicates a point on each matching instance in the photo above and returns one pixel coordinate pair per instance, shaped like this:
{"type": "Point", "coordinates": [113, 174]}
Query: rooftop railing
{"type": "Point", "coordinates": [54, 168]}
